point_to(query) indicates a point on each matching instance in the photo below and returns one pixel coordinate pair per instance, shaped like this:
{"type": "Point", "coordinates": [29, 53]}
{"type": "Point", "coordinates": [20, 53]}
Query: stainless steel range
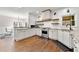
{"type": "Point", "coordinates": [45, 32]}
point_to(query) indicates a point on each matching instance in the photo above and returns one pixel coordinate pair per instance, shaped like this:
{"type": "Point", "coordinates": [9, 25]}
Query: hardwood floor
{"type": "Point", "coordinates": [36, 44]}
{"type": "Point", "coordinates": [7, 45]}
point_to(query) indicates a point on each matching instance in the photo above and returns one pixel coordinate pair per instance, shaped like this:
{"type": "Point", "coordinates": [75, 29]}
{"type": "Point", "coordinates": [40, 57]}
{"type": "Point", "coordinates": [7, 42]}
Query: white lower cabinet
{"type": "Point", "coordinates": [38, 31]}
{"type": "Point", "coordinates": [21, 34]}
{"type": "Point", "coordinates": [53, 34]}
{"type": "Point", "coordinates": [25, 33]}
{"type": "Point", "coordinates": [60, 35]}
{"type": "Point", "coordinates": [50, 34]}
{"type": "Point", "coordinates": [64, 37]}
{"type": "Point", "coordinates": [67, 39]}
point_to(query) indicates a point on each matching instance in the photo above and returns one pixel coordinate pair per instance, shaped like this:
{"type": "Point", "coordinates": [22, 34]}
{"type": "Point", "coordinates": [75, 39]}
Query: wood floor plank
{"type": "Point", "coordinates": [36, 44]}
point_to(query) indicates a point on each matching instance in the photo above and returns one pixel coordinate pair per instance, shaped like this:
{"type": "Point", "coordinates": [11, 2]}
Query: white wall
{"type": "Point", "coordinates": [5, 21]}
{"type": "Point", "coordinates": [8, 18]}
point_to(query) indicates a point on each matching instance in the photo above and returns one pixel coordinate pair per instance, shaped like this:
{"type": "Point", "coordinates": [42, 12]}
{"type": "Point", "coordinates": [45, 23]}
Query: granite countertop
{"type": "Point", "coordinates": [20, 29]}
{"type": "Point", "coordinates": [75, 34]}
{"type": "Point", "coordinates": [65, 29]}
{"type": "Point", "coordinates": [60, 29]}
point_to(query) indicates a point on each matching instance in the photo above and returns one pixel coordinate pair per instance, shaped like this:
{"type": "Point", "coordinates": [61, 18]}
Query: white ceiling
{"type": "Point", "coordinates": [22, 10]}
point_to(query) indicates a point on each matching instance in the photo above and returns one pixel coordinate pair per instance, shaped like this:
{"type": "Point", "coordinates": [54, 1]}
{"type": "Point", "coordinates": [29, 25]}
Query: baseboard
{"type": "Point", "coordinates": [70, 49]}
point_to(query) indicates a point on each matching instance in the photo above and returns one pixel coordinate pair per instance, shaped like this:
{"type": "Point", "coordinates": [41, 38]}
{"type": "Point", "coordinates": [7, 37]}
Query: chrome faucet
{"type": "Point", "coordinates": [70, 26]}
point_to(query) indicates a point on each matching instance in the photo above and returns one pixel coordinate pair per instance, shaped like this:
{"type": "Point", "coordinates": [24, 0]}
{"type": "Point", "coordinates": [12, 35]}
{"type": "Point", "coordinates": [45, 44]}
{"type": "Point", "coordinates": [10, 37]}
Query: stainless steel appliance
{"type": "Point", "coordinates": [34, 26]}
{"type": "Point", "coordinates": [45, 32]}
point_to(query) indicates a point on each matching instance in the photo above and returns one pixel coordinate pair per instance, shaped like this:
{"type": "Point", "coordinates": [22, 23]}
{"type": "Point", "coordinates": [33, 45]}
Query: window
{"type": "Point", "coordinates": [68, 20]}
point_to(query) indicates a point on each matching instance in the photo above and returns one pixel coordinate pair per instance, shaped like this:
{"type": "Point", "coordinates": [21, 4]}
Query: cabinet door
{"type": "Point", "coordinates": [50, 34]}
{"type": "Point", "coordinates": [64, 37]}
{"type": "Point", "coordinates": [32, 32]}
{"type": "Point", "coordinates": [67, 39]}
{"type": "Point", "coordinates": [60, 35]}
{"type": "Point", "coordinates": [38, 31]}
{"type": "Point", "coordinates": [55, 34]}
{"type": "Point", "coordinates": [21, 34]}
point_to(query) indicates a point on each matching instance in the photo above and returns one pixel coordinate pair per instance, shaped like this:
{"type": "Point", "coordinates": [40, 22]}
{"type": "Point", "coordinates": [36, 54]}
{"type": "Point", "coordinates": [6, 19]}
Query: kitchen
{"type": "Point", "coordinates": [59, 24]}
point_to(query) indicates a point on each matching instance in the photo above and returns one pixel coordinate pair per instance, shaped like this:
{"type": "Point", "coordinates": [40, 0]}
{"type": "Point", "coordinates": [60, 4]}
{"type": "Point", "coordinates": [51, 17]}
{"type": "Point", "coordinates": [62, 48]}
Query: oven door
{"type": "Point", "coordinates": [45, 34]}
